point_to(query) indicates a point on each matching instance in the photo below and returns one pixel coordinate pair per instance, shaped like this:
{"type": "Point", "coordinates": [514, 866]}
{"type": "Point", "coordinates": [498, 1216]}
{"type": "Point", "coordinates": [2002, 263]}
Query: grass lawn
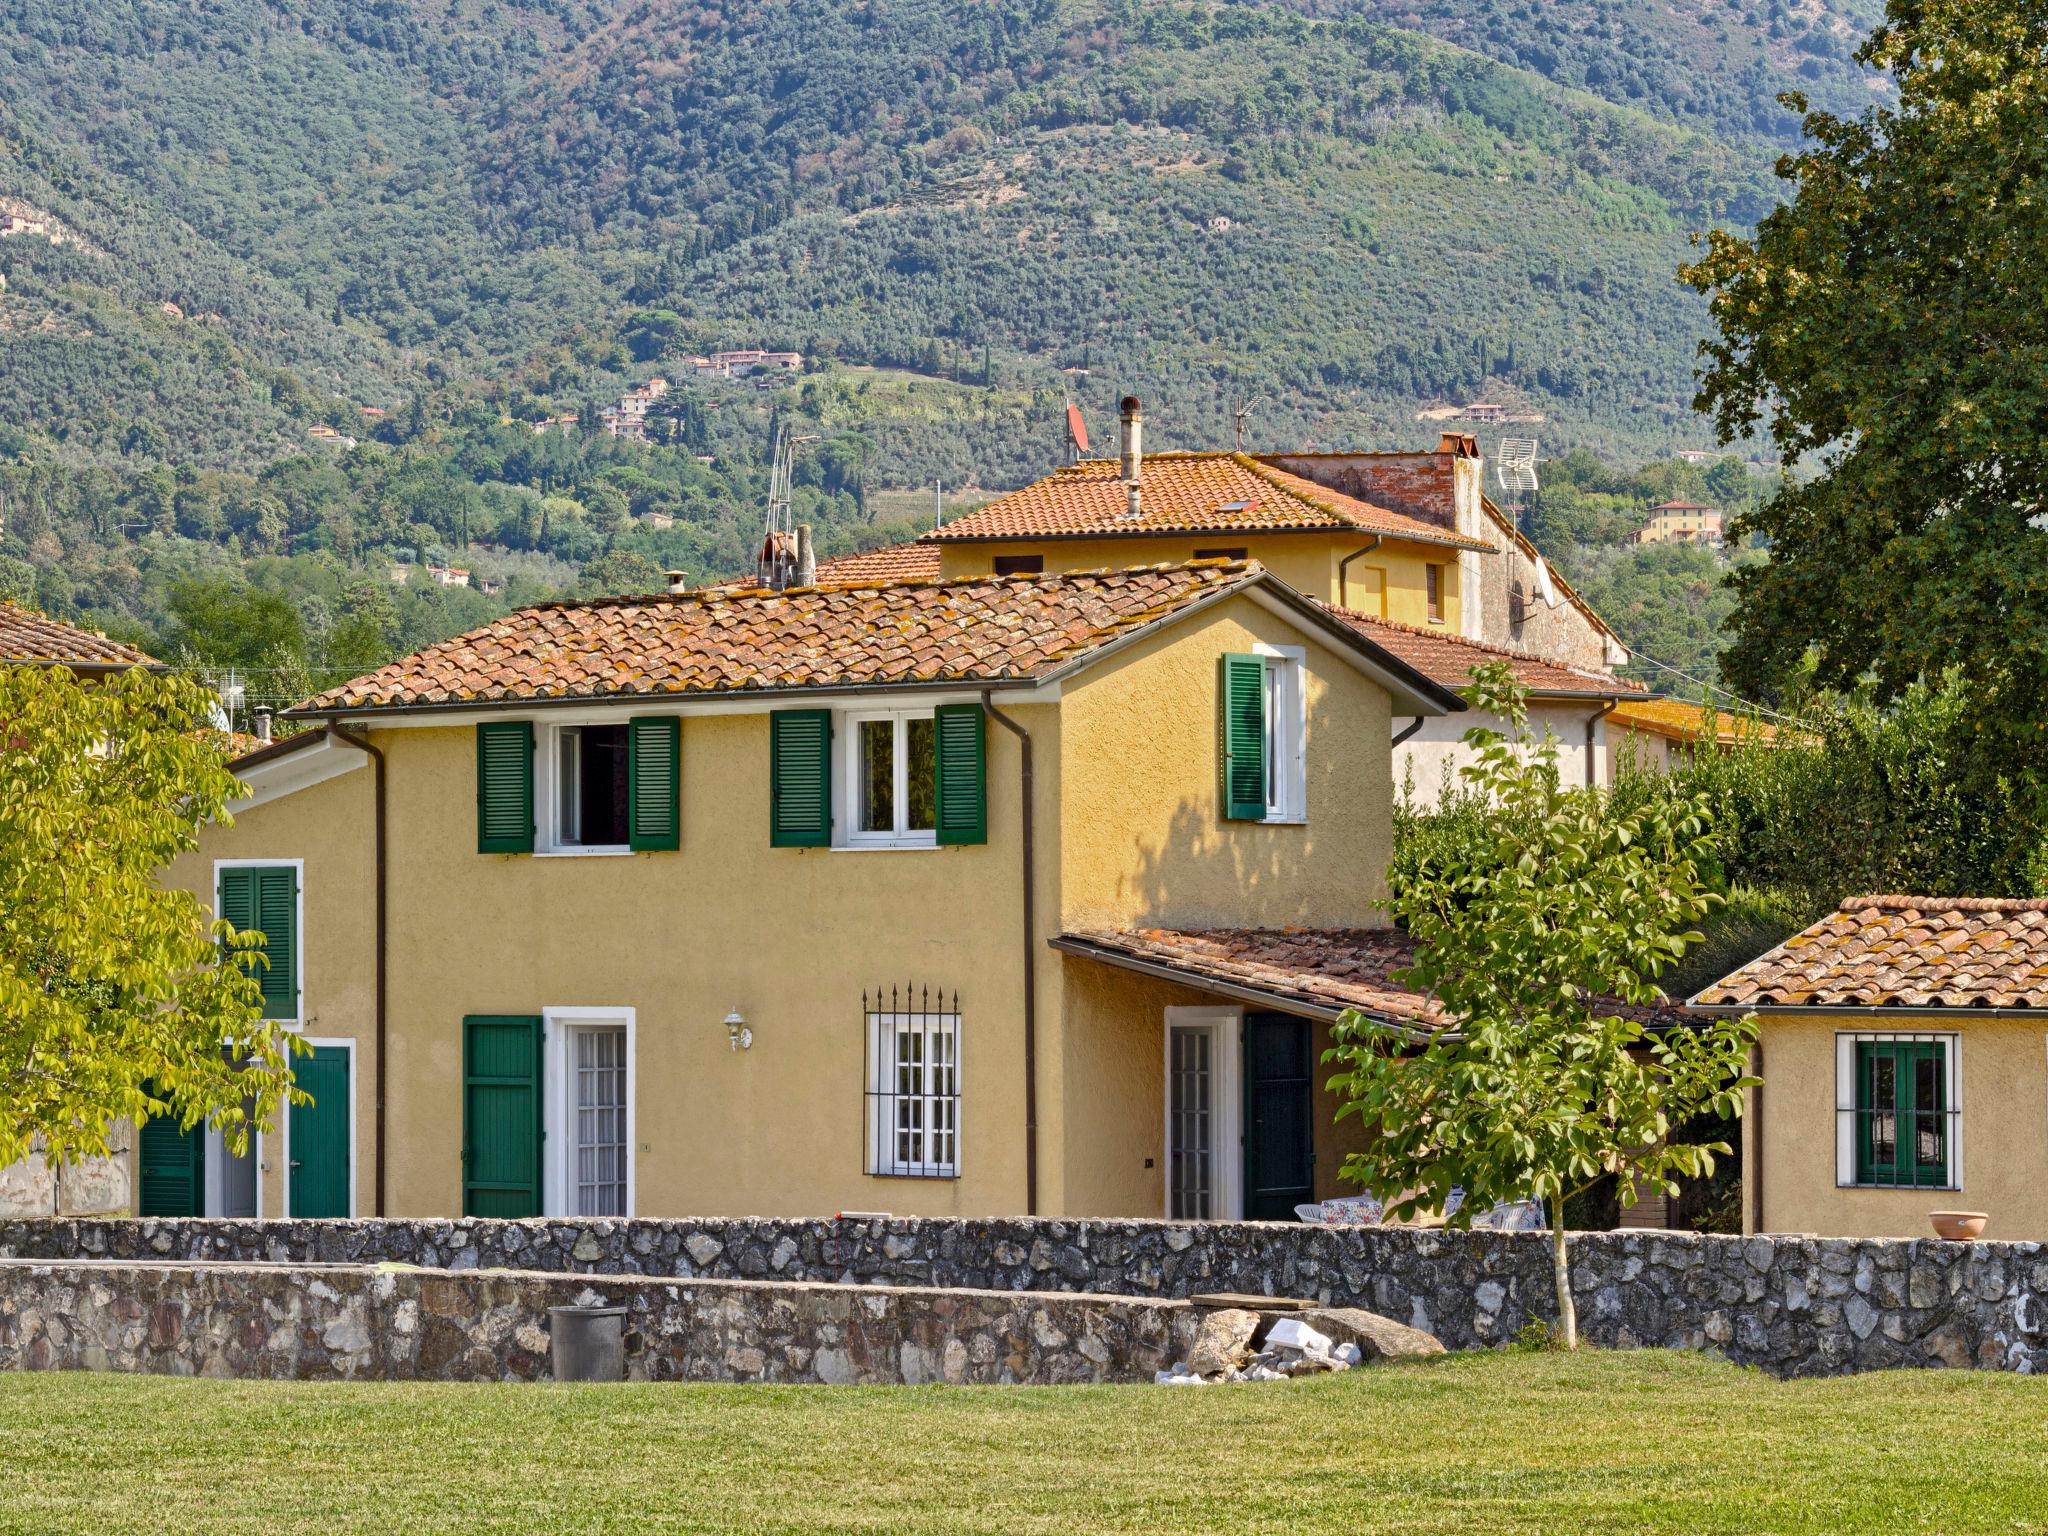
{"type": "Point", "coordinates": [1493, 1443]}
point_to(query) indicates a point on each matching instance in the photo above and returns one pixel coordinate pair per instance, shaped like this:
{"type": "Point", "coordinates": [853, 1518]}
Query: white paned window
{"type": "Point", "coordinates": [914, 1095]}
{"type": "Point", "coordinates": [598, 1055]}
{"type": "Point", "coordinates": [890, 789]}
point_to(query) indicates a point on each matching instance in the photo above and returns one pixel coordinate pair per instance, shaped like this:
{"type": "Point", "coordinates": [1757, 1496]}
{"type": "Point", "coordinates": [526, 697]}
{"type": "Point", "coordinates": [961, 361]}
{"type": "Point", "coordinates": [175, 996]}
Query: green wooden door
{"type": "Point", "coordinates": [320, 1134]}
{"type": "Point", "coordinates": [501, 1111]}
{"type": "Point", "coordinates": [173, 1164]}
{"type": "Point", "coordinates": [1279, 1156]}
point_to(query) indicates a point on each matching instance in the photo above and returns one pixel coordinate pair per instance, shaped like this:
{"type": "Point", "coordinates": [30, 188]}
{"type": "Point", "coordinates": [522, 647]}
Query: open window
{"type": "Point", "coordinates": [1264, 736]}
{"type": "Point", "coordinates": [591, 788]}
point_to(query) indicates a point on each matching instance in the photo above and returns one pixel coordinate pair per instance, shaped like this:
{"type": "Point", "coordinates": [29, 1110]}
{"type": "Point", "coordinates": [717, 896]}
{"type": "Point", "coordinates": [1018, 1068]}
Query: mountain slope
{"type": "Point", "coordinates": [1190, 201]}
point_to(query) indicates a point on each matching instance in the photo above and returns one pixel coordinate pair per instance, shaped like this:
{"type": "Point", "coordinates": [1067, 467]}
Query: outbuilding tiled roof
{"type": "Point", "coordinates": [28, 636]}
{"type": "Point", "coordinates": [1320, 971]}
{"type": "Point", "coordinates": [731, 640]}
{"type": "Point", "coordinates": [1449, 659]}
{"type": "Point", "coordinates": [1945, 952]}
{"type": "Point", "coordinates": [914, 561]}
{"type": "Point", "coordinates": [1220, 493]}
{"type": "Point", "coordinates": [1683, 720]}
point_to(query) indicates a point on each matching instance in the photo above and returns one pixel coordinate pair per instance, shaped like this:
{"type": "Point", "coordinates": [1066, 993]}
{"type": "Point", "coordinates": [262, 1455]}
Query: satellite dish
{"type": "Point", "coordinates": [1516, 465]}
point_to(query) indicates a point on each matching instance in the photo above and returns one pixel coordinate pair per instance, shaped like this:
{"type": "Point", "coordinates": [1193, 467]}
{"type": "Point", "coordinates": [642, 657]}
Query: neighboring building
{"type": "Point", "coordinates": [28, 638]}
{"type": "Point", "coordinates": [626, 838]}
{"type": "Point", "coordinates": [1680, 522]}
{"type": "Point", "coordinates": [1576, 707]}
{"type": "Point", "coordinates": [1653, 732]}
{"type": "Point", "coordinates": [98, 1185]}
{"type": "Point", "coordinates": [1900, 1047]}
{"type": "Point", "coordinates": [448, 575]}
{"type": "Point", "coordinates": [892, 562]}
{"type": "Point", "coordinates": [629, 417]}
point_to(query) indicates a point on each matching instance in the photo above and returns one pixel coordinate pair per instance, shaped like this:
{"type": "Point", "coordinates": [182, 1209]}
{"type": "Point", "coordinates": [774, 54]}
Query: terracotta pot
{"type": "Point", "coordinates": [1958, 1226]}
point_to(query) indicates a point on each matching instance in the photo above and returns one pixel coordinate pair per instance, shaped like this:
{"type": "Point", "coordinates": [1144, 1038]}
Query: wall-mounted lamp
{"type": "Point", "coordinates": [737, 1034]}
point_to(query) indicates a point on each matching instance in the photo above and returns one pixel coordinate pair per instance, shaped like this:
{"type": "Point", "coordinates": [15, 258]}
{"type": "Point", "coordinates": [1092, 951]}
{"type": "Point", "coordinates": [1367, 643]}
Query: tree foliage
{"type": "Point", "coordinates": [118, 997]}
{"type": "Point", "coordinates": [1888, 322]}
{"type": "Point", "coordinates": [1541, 933]}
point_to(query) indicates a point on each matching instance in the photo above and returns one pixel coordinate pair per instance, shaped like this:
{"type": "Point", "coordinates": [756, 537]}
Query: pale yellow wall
{"type": "Point", "coordinates": [1115, 1053]}
{"type": "Point", "coordinates": [1145, 839]}
{"type": "Point", "coordinates": [2004, 1133]}
{"type": "Point", "coordinates": [1308, 562]}
{"type": "Point", "coordinates": [328, 826]}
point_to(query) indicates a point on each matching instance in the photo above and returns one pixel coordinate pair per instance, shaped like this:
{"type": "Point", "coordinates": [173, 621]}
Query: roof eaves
{"type": "Point", "coordinates": [278, 749]}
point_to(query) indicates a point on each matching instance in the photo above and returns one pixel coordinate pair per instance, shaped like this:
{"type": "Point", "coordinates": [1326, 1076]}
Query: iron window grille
{"type": "Point", "coordinates": [913, 1082]}
{"type": "Point", "coordinates": [1898, 1111]}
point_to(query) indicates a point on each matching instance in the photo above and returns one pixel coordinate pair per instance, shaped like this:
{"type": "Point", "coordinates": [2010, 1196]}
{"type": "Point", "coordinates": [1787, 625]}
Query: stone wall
{"type": "Point", "coordinates": [93, 1186]}
{"type": "Point", "coordinates": [323, 1322]}
{"type": "Point", "coordinates": [1795, 1306]}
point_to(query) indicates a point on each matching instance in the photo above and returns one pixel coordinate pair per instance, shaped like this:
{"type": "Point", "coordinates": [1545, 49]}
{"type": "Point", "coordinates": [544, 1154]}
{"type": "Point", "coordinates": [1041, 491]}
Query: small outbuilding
{"type": "Point", "coordinates": [1903, 1047]}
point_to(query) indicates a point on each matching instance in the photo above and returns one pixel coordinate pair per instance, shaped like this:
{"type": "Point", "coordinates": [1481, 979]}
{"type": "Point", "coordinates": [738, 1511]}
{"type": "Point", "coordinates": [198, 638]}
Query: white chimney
{"type": "Point", "coordinates": [1132, 415]}
{"type": "Point", "coordinates": [263, 723]}
{"type": "Point", "coordinates": [806, 559]}
{"type": "Point", "coordinates": [678, 582]}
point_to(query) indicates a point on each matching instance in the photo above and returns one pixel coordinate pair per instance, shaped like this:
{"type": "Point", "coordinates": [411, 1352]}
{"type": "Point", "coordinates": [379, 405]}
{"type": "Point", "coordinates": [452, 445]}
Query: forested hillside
{"type": "Point", "coordinates": [247, 220]}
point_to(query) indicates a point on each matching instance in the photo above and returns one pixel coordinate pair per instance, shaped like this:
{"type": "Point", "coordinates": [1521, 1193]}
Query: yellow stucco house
{"type": "Point", "coordinates": [1903, 1047]}
{"type": "Point", "coordinates": [949, 896]}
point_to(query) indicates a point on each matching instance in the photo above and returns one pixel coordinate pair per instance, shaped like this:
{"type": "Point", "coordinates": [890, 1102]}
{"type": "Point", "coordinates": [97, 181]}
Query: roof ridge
{"type": "Point", "coordinates": [1907, 903]}
{"type": "Point", "coordinates": [702, 595]}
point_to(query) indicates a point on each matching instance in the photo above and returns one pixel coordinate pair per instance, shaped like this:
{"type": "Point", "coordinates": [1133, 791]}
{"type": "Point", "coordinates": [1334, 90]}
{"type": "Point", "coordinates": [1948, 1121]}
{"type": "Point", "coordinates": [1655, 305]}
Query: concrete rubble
{"type": "Point", "coordinates": [1232, 1344]}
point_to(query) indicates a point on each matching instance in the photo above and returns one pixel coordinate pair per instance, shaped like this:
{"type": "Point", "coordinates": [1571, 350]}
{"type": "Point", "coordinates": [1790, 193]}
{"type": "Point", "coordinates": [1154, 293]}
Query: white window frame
{"type": "Point", "coordinates": [549, 841]}
{"type": "Point", "coordinates": [217, 1160]}
{"type": "Point", "coordinates": [558, 1105]}
{"type": "Point", "coordinates": [879, 1159]}
{"type": "Point", "coordinates": [299, 1019]}
{"type": "Point", "coordinates": [1286, 711]}
{"type": "Point", "coordinates": [1225, 1028]}
{"type": "Point", "coordinates": [1846, 1042]}
{"type": "Point", "coordinates": [846, 742]}
{"type": "Point", "coordinates": [284, 1137]}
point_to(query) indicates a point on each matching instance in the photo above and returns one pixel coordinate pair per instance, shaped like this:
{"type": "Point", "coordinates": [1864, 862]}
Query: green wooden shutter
{"type": "Point", "coordinates": [800, 778]}
{"type": "Point", "coordinates": [501, 1116]}
{"type": "Point", "coordinates": [1244, 738]}
{"type": "Point", "coordinates": [265, 900]}
{"type": "Point", "coordinates": [960, 763]}
{"type": "Point", "coordinates": [277, 914]}
{"type": "Point", "coordinates": [504, 787]}
{"type": "Point", "coordinates": [654, 771]}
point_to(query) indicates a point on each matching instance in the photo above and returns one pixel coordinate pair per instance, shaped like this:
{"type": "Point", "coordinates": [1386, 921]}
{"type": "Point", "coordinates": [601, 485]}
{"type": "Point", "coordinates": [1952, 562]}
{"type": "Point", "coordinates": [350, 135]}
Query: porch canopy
{"type": "Point", "coordinates": [1314, 973]}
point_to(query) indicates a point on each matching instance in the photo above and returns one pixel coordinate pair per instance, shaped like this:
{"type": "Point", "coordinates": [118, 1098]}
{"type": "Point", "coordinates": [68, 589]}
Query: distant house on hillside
{"type": "Point", "coordinates": [449, 575]}
{"type": "Point", "coordinates": [1681, 522]}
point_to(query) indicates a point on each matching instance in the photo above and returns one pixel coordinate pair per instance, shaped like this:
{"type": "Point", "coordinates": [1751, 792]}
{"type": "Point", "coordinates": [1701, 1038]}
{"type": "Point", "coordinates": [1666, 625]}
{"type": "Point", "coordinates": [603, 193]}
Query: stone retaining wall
{"type": "Point", "coordinates": [1795, 1306]}
{"type": "Point", "coordinates": [323, 1322]}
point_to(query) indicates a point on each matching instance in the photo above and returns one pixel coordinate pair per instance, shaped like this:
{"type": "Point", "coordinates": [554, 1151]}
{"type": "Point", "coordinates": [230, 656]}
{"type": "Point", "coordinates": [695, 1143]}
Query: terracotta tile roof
{"type": "Point", "coordinates": [1683, 720]}
{"type": "Point", "coordinates": [1316, 970]}
{"type": "Point", "coordinates": [731, 640]}
{"type": "Point", "coordinates": [27, 636]}
{"type": "Point", "coordinates": [1218, 493]}
{"type": "Point", "coordinates": [1449, 659]}
{"type": "Point", "coordinates": [1903, 952]}
{"type": "Point", "coordinates": [892, 562]}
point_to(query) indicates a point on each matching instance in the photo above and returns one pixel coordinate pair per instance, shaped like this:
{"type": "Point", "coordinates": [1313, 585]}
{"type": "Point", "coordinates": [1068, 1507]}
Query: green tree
{"type": "Point", "coordinates": [231, 625]}
{"type": "Point", "coordinates": [1888, 321]}
{"type": "Point", "coordinates": [118, 997]}
{"type": "Point", "coordinates": [1541, 924]}
{"type": "Point", "coordinates": [622, 573]}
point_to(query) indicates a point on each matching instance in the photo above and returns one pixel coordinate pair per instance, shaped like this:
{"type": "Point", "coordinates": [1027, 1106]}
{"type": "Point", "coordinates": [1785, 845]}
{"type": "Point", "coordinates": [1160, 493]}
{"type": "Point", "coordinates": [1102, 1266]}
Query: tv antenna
{"type": "Point", "coordinates": [1516, 469]}
{"type": "Point", "coordinates": [778, 559]}
{"type": "Point", "coordinates": [1242, 409]}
